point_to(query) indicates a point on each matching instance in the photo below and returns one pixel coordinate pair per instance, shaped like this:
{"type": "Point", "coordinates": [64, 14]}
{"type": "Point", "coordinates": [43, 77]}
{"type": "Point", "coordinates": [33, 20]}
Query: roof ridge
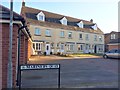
{"type": "Point", "coordinates": [60, 15]}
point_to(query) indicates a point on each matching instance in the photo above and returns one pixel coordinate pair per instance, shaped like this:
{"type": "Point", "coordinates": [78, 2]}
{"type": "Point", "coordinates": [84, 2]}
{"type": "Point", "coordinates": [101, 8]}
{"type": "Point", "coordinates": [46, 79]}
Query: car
{"type": "Point", "coordinates": [114, 53]}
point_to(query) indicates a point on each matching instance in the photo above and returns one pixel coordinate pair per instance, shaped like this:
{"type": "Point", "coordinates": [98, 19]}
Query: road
{"type": "Point", "coordinates": [75, 73]}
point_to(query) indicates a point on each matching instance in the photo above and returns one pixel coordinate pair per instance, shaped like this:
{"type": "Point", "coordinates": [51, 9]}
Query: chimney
{"type": "Point", "coordinates": [23, 3]}
{"type": "Point", "coordinates": [91, 20]}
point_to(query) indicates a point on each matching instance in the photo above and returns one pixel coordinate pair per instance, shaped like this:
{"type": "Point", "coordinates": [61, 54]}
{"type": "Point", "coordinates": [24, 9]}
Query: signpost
{"type": "Point", "coordinates": [39, 67]}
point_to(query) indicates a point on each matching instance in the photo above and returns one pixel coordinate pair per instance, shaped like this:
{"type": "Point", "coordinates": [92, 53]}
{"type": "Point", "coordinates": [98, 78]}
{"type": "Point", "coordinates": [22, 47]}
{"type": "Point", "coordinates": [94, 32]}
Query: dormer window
{"type": "Point", "coordinates": [80, 24]}
{"type": "Point", "coordinates": [63, 21]}
{"type": "Point", "coordinates": [41, 16]}
{"type": "Point", "coordinates": [94, 27]}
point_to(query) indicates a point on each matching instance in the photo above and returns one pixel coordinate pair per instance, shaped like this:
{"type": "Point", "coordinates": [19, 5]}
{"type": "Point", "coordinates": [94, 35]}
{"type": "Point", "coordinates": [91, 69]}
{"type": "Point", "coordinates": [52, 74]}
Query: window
{"type": "Point", "coordinates": [112, 36]}
{"type": "Point", "coordinates": [80, 24]}
{"type": "Point", "coordinates": [37, 31]}
{"type": "Point", "coordinates": [48, 33]}
{"type": "Point", "coordinates": [94, 27]}
{"type": "Point", "coordinates": [70, 35]}
{"type": "Point", "coordinates": [95, 38]}
{"type": "Point", "coordinates": [62, 34]}
{"type": "Point", "coordinates": [80, 36]}
{"type": "Point", "coordinates": [37, 46]}
{"type": "Point", "coordinates": [34, 45]}
{"type": "Point", "coordinates": [63, 21]}
{"type": "Point", "coordinates": [100, 38]}
{"type": "Point", "coordinates": [41, 16]}
{"type": "Point", "coordinates": [62, 46]}
{"type": "Point", "coordinates": [87, 37]}
{"type": "Point", "coordinates": [71, 47]}
{"type": "Point", "coordinates": [80, 47]}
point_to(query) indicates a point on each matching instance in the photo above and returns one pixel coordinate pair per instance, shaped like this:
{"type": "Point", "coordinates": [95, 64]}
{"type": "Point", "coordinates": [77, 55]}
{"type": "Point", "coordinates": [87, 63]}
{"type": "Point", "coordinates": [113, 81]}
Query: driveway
{"type": "Point", "coordinates": [75, 73]}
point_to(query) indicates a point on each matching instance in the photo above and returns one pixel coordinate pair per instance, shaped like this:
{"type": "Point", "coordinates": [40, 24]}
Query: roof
{"type": "Point", "coordinates": [5, 15]}
{"type": "Point", "coordinates": [53, 19]}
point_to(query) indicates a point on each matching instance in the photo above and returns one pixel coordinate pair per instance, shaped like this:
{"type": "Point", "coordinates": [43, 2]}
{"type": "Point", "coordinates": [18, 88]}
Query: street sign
{"type": "Point", "coordinates": [39, 67]}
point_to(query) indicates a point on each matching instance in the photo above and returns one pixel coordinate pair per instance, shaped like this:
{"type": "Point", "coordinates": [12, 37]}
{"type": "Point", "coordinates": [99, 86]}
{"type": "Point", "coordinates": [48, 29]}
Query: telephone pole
{"type": "Point", "coordinates": [10, 70]}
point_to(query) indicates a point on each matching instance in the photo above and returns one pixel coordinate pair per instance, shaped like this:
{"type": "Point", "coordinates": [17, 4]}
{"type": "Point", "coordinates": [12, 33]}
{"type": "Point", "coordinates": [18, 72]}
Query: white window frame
{"type": "Point", "coordinates": [69, 47]}
{"type": "Point", "coordinates": [81, 36]}
{"type": "Point", "coordinates": [37, 31]}
{"type": "Point", "coordinates": [35, 46]}
{"type": "Point", "coordinates": [69, 33]}
{"type": "Point", "coordinates": [61, 46]}
{"type": "Point", "coordinates": [81, 47]}
{"type": "Point", "coordinates": [63, 21]}
{"type": "Point", "coordinates": [113, 36]}
{"type": "Point", "coordinates": [100, 38]}
{"type": "Point", "coordinates": [87, 37]}
{"type": "Point", "coordinates": [80, 24]}
{"type": "Point", "coordinates": [48, 32]}
{"type": "Point", "coordinates": [95, 37]}
{"type": "Point", "coordinates": [41, 14]}
{"type": "Point", "coordinates": [62, 34]}
{"type": "Point", "coordinates": [94, 27]}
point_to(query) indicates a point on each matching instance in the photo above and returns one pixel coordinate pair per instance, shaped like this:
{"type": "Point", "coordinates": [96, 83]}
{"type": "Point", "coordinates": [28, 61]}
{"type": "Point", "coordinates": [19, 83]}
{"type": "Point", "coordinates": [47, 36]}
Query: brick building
{"type": "Point", "coordinates": [18, 22]}
{"type": "Point", "coordinates": [112, 40]}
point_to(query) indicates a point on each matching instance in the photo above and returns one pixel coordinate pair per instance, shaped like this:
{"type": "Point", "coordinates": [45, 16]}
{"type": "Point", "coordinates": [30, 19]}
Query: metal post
{"type": "Point", "coordinates": [59, 77]}
{"type": "Point", "coordinates": [9, 74]}
{"type": "Point", "coordinates": [18, 62]}
{"type": "Point", "coordinates": [20, 80]}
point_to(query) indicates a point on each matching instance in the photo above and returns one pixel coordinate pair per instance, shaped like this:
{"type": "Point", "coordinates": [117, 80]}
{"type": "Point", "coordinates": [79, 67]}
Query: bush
{"type": "Point", "coordinates": [58, 53]}
{"type": "Point", "coordinates": [50, 52]}
{"type": "Point", "coordinates": [45, 53]}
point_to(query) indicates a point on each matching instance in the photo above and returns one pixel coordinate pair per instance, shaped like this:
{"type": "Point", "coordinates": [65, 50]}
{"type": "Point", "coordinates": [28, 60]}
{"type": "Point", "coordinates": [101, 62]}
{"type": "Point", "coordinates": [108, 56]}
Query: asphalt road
{"type": "Point", "coordinates": [75, 73]}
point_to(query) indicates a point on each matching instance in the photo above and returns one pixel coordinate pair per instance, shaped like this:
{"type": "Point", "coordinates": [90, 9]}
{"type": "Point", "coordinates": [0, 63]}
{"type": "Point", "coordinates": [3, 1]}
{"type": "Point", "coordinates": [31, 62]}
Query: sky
{"type": "Point", "coordinates": [103, 12]}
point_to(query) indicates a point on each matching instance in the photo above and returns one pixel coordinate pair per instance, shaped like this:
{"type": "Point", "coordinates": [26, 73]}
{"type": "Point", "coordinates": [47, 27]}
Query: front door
{"type": "Point", "coordinates": [95, 49]}
{"type": "Point", "coordinates": [47, 49]}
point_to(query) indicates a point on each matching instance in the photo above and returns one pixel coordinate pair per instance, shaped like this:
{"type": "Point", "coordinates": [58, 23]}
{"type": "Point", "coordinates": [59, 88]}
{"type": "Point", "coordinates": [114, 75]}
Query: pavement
{"type": "Point", "coordinates": [92, 72]}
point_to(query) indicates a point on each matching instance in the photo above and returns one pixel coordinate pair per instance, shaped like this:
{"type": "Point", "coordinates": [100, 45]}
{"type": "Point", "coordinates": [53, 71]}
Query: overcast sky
{"type": "Point", "coordinates": [103, 12]}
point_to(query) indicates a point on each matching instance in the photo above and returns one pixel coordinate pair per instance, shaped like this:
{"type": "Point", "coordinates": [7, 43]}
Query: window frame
{"type": "Point", "coordinates": [62, 34]}
{"type": "Point", "coordinates": [80, 36]}
{"type": "Point", "coordinates": [69, 34]}
{"type": "Point", "coordinates": [48, 32]}
{"type": "Point", "coordinates": [37, 31]}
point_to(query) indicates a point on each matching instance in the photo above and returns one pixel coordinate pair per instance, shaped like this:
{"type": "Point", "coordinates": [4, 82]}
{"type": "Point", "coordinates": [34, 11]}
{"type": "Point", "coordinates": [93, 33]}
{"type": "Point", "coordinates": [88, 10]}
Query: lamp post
{"type": "Point", "coordinates": [9, 72]}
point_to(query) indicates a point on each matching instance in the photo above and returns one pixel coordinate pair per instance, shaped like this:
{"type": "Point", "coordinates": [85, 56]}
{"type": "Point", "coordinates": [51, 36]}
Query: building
{"type": "Point", "coordinates": [18, 22]}
{"type": "Point", "coordinates": [112, 40]}
{"type": "Point", "coordinates": [54, 33]}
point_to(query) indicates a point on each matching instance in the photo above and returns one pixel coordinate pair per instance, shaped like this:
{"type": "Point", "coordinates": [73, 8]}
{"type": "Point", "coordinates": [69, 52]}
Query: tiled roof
{"type": "Point", "coordinates": [5, 15]}
{"type": "Point", "coordinates": [52, 19]}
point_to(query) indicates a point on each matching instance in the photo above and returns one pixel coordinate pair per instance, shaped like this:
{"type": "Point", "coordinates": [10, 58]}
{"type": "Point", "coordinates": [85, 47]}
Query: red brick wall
{"type": "Point", "coordinates": [113, 47]}
{"type": "Point", "coordinates": [24, 49]}
{"type": "Point", "coordinates": [29, 49]}
{"type": "Point", "coordinates": [5, 49]}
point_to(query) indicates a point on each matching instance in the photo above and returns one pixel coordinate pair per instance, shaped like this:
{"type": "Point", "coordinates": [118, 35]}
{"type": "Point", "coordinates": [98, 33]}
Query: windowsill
{"type": "Point", "coordinates": [69, 37]}
{"type": "Point", "coordinates": [48, 36]}
{"type": "Point", "coordinates": [80, 39]}
{"type": "Point", "coordinates": [62, 37]}
{"type": "Point", "coordinates": [36, 35]}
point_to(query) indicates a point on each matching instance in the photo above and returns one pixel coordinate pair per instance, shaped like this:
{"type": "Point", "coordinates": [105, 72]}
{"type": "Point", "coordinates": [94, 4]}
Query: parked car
{"type": "Point", "coordinates": [114, 53]}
